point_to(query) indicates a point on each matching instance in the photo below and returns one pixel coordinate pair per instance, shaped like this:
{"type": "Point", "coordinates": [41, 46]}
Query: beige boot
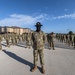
{"type": "Point", "coordinates": [43, 70]}
{"type": "Point", "coordinates": [34, 68]}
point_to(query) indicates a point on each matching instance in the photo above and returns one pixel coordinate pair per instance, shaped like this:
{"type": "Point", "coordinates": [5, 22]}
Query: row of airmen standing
{"type": "Point", "coordinates": [14, 39]}
{"type": "Point", "coordinates": [66, 38]}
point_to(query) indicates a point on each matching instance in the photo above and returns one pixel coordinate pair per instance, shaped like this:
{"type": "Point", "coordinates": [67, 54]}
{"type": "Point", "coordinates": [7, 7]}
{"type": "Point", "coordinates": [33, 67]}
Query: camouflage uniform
{"type": "Point", "coordinates": [66, 39]}
{"type": "Point", "coordinates": [74, 41]}
{"type": "Point", "coordinates": [48, 40]}
{"type": "Point", "coordinates": [0, 42]}
{"type": "Point", "coordinates": [15, 38]}
{"type": "Point", "coordinates": [57, 37]}
{"type": "Point", "coordinates": [70, 37]}
{"type": "Point", "coordinates": [60, 37]}
{"type": "Point", "coordinates": [52, 41]}
{"type": "Point", "coordinates": [7, 38]}
{"type": "Point", "coordinates": [20, 38]}
{"type": "Point", "coordinates": [28, 40]}
{"type": "Point", "coordinates": [38, 39]}
{"type": "Point", "coordinates": [12, 39]}
{"type": "Point", "coordinates": [23, 37]}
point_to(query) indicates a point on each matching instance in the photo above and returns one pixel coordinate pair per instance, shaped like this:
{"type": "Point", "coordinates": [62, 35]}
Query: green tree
{"type": "Point", "coordinates": [70, 32]}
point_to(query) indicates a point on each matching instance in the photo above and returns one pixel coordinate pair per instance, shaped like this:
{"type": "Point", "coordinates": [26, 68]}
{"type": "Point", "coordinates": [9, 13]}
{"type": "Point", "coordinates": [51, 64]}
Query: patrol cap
{"type": "Point", "coordinates": [38, 24]}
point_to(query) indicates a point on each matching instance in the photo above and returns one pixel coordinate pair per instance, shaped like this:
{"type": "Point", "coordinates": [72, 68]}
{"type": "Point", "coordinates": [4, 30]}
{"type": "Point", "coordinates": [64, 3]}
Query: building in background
{"type": "Point", "coordinates": [14, 29]}
{"type": "Point", "coordinates": [26, 30]}
{"type": "Point", "coordinates": [2, 29]}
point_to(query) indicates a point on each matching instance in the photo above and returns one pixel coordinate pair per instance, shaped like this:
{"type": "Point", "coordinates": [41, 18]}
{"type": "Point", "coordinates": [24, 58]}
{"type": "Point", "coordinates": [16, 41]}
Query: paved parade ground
{"type": "Point", "coordinates": [18, 60]}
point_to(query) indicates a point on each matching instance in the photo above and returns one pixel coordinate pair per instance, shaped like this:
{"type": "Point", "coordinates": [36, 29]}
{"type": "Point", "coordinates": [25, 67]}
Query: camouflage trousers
{"type": "Point", "coordinates": [41, 55]}
{"type": "Point", "coordinates": [51, 44]}
{"type": "Point", "coordinates": [0, 46]}
{"type": "Point", "coordinates": [28, 43]}
{"type": "Point", "coordinates": [12, 42]}
{"type": "Point", "coordinates": [16, 41]}
{"type": "Point", "coordinates": [7, 41]}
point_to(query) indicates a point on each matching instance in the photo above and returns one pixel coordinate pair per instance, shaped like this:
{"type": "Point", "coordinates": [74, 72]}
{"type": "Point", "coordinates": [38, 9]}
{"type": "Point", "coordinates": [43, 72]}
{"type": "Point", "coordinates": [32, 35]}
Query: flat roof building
{"type": "Point", "coordinates": [14, 29]}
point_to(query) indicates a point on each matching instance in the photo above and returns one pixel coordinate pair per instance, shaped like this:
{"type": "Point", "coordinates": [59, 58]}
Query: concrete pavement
{"type": "Point", "coordinates": [18, 60]}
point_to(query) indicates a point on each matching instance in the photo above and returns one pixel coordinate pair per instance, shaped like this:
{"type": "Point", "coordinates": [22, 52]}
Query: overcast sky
{"type": "Point", "coordinates": [54, 15]}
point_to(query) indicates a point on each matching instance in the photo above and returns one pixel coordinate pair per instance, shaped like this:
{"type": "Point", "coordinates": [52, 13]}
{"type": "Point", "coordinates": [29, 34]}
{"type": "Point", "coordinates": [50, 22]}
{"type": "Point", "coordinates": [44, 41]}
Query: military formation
{"type": "Point", "coordinates": [14, 39]}
{"type": "Point", "coordinates": [69, 39]}
{"type": "Point", "coordinates": [37, 41]}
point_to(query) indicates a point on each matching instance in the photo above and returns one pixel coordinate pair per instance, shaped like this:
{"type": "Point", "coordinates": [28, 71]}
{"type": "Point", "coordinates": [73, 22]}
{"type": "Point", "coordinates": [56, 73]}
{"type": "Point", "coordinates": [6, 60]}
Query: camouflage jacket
{"type": "Point", "coordinates": [0, 38]}
{"type": "Point", "coordinates": [51, 37]}
{"type": "Point", "coordinates": [38, 39]}
{"type": "Point", "coordinates": [28, 37]}
{"type": "Point", "coordinates": [7, 37]}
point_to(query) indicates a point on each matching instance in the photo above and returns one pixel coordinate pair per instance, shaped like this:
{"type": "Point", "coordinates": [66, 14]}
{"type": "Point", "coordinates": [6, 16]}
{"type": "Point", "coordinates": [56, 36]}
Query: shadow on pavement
{"type": "Point", "coordinates": [4, 45]}
{"type": "Point", "coordinates": [20, 45]}
{"type": "Point", "coordinates": [64, 46]}
{"type": "Point", "coordinates": [59, 45]}
{"type": "Point", "coordinates": [14, 56]}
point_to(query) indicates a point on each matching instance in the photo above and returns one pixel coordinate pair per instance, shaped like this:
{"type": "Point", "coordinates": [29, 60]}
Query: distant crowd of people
{"type": "Point", "coordinates": [69, 39]}
{"type": "Point", "coordinates": [14, 39]}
